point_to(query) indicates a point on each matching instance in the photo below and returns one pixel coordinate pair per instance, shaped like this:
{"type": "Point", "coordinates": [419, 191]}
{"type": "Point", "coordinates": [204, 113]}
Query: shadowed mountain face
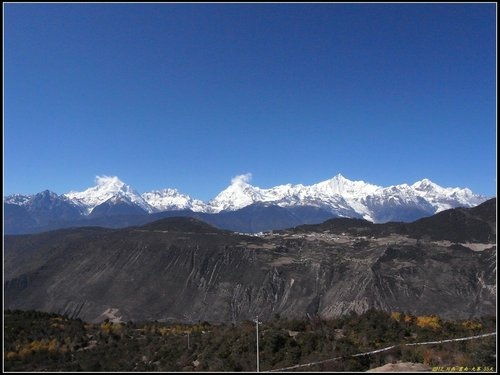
{"type": "Point", "coordinates": [251, 219]}
{"type": "Point", "coordinates": [184, 269]}
{"type": "Point", "coordinates": [110, 209]}
{"type": "Point", "coordinates": [17, 219]}
{"type": "Point", "coordinates": [46, 209]}
{"type": "Point", "coordinates": [477, 224]}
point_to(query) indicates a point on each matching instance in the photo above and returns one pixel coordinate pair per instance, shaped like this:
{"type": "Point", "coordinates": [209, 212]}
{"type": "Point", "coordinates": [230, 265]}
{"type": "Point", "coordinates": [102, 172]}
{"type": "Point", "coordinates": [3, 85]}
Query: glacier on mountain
{"type": "Point", "coordinates": [338, 195]}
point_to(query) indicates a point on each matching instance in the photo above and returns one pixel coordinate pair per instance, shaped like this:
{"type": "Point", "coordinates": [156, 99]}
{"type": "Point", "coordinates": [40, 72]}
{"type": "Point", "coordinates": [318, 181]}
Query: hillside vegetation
{"type": "Point", "coordinates": [38, 341]}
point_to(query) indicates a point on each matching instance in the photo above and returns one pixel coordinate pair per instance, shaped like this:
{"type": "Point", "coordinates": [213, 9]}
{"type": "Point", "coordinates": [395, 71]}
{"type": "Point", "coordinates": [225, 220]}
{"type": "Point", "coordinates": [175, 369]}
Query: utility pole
{"type": "Point", "coordinates": [190, 319]}
{"type": "Point", "coordinates": [257, 329]}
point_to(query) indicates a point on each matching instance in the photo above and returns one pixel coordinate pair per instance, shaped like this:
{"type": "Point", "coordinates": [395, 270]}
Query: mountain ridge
{"type": "Point", "coordinates": [179, 266]}
{"type": "Point", "coordinates": [338, 197]}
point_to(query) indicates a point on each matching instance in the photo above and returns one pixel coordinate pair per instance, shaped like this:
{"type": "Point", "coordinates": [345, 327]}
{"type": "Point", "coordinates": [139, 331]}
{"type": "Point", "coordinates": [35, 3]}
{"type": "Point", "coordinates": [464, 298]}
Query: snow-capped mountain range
{"type": "Point", "coordinates": [107, 189]}
{"type": "Point", "coordinates": [338, 195]}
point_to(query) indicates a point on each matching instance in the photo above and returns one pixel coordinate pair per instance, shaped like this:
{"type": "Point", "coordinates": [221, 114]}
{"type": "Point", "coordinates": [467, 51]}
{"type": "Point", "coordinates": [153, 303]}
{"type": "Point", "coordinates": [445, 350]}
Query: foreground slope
{"type": "Point", "coordinates": [184, 269]}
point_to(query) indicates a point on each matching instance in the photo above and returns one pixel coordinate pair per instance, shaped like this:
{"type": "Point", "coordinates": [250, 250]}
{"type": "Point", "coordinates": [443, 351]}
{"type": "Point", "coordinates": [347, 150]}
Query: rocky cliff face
{"type": "Point", "coordinates": [183, 269]}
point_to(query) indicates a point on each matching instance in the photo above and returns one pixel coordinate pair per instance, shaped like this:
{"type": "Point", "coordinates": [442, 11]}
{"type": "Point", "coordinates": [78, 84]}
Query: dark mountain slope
{"type": "Point", "coordinates": [477, 224]}
{"type": "Point", "coordinates": [456, 225]}
{"type": "Point", "coordinates": [46, 207]}
{"type": "Point", "coordinates": [24, 253]}
{"type": "Point", "coordinates": [251, 219]}
{"type": "Point", "coordinates": [486, 210]}
{"type": "Point", "coordinates": [112, 208]}
{"type": "Point", "coordinates": [184, 269]}
{"type": "Point", "coordinates": [182, 224]}
{"type": "Point", "coordinates": [148, 272]}
{"type": "Point", "coordinates": [261, 217]}
{"type": "Point", "coordinates": [17, 219]}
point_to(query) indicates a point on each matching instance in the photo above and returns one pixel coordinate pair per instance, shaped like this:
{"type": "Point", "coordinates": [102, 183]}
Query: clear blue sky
{"type": "Point", "coordinates": [190, 95]}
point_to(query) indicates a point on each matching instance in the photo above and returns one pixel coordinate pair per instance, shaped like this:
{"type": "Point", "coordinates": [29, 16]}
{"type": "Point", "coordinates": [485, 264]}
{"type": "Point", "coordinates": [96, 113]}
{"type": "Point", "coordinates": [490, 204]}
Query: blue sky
{"type": "Point", "coordinates": [190, 95]}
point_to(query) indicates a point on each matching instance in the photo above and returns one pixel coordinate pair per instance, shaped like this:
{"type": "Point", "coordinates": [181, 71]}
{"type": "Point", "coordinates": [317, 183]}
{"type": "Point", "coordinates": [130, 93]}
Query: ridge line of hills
{"type": "Point", "coordinates": [177, 267]}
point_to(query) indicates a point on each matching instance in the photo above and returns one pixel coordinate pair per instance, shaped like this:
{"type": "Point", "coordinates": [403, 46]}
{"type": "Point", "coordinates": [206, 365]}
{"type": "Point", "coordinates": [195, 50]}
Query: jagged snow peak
{"type": "Point", "coordinates": [446, 198]}
{"type": "Point", "coordinates": [339, 195]}
{"type": "Point", "coordinates": [27, 200]}
{"type": "Point", "coordinates": [171, 199]}
{"type": "Point", "coordinates": [18, 199]}
{"type": "Point", "coordinates": [237, 195]}
{"type": "Point", "coordinates": [345, 197]}
{"type": "Point", "coordinates": [107, 188]}
{"type": "Point", "coordinates": [339, 185]}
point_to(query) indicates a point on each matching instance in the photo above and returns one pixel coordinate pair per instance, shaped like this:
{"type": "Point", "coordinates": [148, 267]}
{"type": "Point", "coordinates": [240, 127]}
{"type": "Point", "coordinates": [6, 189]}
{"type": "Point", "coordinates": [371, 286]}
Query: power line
{"type": "Point", "coordinates": [382, 350]}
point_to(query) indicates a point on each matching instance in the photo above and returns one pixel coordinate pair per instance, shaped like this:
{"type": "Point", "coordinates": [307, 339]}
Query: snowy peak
{"type": "Point", "coordinates": [425, 185]}
{"type": "Point", "coordinates": [339, 185]}
{"type": "Point", "coordinates": [241, 180]}
{"type": "Point", "coordinates": [171, 199]}
{"type": "Point", "coordinates": [18, 199]}
{"type": "Point", "coordinates": [446, 198]}
{"type": "Point", "coordinates": [237, 195]}
{"type": "Point", "coordinates": [27, 200]}
{"type": "Point", "coordinates": [338, 195]}
{"type": "Point", "coordinates": [347, 198]}
{"type": "Point", "coordinates": [111, 190]}
{"type": "Point", "coordinates": [429, 188]}
{"type": "Point", "coordinates": [107, 188]}
{"type": "Point", "coordinates": [111, 183]}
